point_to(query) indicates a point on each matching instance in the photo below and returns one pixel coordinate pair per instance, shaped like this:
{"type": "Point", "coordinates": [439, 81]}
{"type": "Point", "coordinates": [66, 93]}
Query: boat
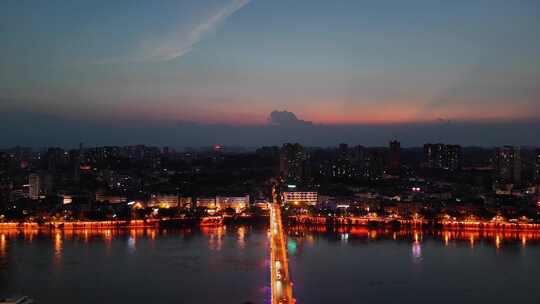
{"type": "Point", "coordinates": [211, 221]}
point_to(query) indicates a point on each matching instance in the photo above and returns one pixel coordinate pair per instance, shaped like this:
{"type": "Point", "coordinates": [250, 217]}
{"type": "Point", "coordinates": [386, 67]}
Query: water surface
{"type": "Point", "coordinates": [230, 265]}
{"type": "Point", "coordinates": [214, 265]}
{"type": "Point", "coordinates": [373, 266]}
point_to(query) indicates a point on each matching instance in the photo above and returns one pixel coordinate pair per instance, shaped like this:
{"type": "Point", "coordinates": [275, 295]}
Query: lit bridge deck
{"type": "Point", "coordinates": [279, 269]}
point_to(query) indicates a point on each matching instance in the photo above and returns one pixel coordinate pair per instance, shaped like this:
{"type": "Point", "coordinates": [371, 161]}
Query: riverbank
{"type": "Point", "coordinates": [418, 223]}
{"type": "Point", "coordinates": [147, 223]}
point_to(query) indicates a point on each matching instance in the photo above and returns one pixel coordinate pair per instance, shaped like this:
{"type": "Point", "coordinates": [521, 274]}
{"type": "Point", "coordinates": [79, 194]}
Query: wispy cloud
{"type": "Point", "coordinates": [182, 42]}
{"type": "Point", "coordinates": [178, 41]}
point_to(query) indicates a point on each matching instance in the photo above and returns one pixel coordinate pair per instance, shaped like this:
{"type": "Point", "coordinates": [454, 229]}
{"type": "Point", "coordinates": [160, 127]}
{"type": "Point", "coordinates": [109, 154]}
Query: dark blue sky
{"type": "Point", "coordinates": [358, 71]}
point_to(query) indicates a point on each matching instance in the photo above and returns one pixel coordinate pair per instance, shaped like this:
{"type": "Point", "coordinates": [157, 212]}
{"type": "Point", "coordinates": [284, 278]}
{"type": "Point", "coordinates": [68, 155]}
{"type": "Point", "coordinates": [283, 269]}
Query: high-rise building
{"type": "Point", "coordinates": [537, 166]}
{"type": "Point", "coordinates": [34, 186]}
{"type": "Point", "coordinates": [341, 167]}
{"type": "Point", "coordinates": [375, 162]}
{"type": "Point", "coordinates": [76, 157]}
{"type": "Point", "coordinates": [357, 155]}
{"type": "Point", "coordinates": [395, 157]}
{"type": "Point", "coordinates": [56, 159]}
{"type": "Point", "coordinates": [47, 184]}
{"type": "Point", "coordinates": [292, 160]}
{"type": "Point", "coordinates": [441, 156]}
{"type": "Point", "coordinates": [508, 165]}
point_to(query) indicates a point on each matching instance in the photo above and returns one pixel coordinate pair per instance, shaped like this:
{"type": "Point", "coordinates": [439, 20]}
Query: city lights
{"type": "Point", "coordinates": [216, 151]}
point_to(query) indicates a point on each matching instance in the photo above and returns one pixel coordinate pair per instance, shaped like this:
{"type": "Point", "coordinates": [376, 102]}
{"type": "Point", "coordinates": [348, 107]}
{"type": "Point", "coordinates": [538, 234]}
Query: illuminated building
{"type": "Point", "coordinates": [374, 163]}
{"type": "Point", "coordinates": [299, 197]}
{"type": "Point", "coordinates": [111, 199]}
{"type": "Point", "coordinates": [292, 160]}
{"type": "Point", "coordinates": [163, 201]}
{"type": "Point", "coordinates": [357, 157]}
{"type": "Point", "coordinates": [206, 202]}
{"type": "Point", "coordinates": [185, 202]}
{"type": "Point", "coordinates": [17, 194]}
{"type": "Point", "coordinates": [508, 165]}
{"type": "Point", "coordinates": [238, 203]}
{"type": "Point", "coordinates": [342, 167]}
{"type": "Point", "coordinates": [34, 186]}
{"type": "Point", "coordinates": [66, 199]}
{"type": "Point", "coordinates": [441, 156]}
{"type": "Point", "coordinates": [169, 201]}
{"type": "Point", "coordinates": [262, 204]}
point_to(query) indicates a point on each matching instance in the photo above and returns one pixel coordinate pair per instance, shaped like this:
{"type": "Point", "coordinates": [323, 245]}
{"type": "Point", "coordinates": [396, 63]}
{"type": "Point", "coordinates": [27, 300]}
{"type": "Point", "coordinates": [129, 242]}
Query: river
{"type": "Point", "coordinates": [230, 264]}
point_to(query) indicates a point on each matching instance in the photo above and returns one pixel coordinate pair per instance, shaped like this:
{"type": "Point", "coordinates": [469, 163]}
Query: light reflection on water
{"type": "Point", "coordinates": [192, 265]}
{"type": "Point", "coordinates": [241, 241]}
{"type": "Point", "coordinates": [3, 246]}
{"type": "Point", "coordinates": [497, 238]}
{"type": "Point", "coordinates": [215, 236]}
{"type": "Point", "coordinates": [57, 247]}
{"type": "Point", "coordinates": [346, 264]}
{"type": "Point", "coordinates": [183, 262]}
{"type": "Point", "coordinates": [416, 252]}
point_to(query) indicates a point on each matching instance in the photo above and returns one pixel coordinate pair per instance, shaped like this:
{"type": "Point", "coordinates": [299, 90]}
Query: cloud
{"type": "Point", "coordinates": [177, 41]}
{"type": "Point", "coordinates": [286, 118]}
{"type": "Point", "coordinates": [180, 43]}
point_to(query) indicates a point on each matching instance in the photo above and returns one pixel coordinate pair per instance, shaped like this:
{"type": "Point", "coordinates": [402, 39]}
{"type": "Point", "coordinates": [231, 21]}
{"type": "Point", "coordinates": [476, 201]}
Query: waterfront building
{"type": "Point", "coordinates": [159, 200]}
{"type": "Point", "coordinates": [206, 202]}
{"type": "Point", "coordinates": [299, 197]}
{"type": "Point", "coordinates": [185, 202]}
{"type": "Point", "coordinates": [262, 204]}
{"type": "Point", "coordinates": [238, 203]}
{"type": "Point", "coordinates": [220, 203]}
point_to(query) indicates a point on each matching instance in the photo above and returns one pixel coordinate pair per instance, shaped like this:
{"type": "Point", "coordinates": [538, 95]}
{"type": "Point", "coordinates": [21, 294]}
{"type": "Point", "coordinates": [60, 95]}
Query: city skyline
{"type": "Point", "coordinates": [269, 151]}
{"type": "Point", "coordinates": [233, 72]}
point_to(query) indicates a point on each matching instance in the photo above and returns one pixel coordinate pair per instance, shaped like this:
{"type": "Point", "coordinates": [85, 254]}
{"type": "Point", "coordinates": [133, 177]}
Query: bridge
{"type": "Point", "coordinates": [279, 270]}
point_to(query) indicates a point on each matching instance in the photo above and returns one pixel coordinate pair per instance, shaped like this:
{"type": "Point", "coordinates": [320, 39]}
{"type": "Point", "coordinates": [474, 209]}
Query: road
{"type": "Point", "coordinates": [281, 281]}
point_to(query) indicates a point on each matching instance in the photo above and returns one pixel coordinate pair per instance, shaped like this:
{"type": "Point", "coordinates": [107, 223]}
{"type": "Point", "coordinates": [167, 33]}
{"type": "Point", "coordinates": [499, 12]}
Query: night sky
{"type": "Point", "coordinates": [262, 72]}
